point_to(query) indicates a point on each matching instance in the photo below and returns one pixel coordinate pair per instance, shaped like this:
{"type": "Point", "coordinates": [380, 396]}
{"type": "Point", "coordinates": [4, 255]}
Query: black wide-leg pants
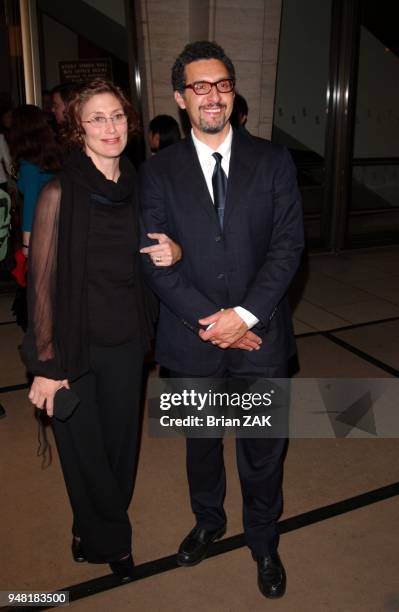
{"type": "Point", "coordinates": [98, 445]}
{"type": "Point", "coordinates": [260, 468]}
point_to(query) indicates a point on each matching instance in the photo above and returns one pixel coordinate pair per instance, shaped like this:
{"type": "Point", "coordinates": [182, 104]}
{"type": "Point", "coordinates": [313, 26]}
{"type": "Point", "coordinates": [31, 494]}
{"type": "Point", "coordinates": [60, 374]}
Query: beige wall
{"type": "Point", "coordinates": [247, 29]}
{"type": "Point", "coordinates": [163, 32]}
{"type": "Point", "coordinates": [249, 32]}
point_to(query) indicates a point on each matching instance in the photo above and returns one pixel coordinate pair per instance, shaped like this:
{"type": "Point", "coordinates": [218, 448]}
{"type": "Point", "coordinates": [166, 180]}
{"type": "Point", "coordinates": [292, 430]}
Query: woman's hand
{"type": "Point", "coordinates": [42, 392]}
{"type": "Point", "coordinates": [165, 253]}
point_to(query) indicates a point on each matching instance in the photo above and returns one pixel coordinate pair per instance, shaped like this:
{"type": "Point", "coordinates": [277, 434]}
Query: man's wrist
{"type": "Point", "coordinates": [249, 319]}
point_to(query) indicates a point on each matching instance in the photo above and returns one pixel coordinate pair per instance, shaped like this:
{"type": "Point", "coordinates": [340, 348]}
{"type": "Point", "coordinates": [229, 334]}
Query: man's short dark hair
{"type": "Point", "coordinates": [200, 50]}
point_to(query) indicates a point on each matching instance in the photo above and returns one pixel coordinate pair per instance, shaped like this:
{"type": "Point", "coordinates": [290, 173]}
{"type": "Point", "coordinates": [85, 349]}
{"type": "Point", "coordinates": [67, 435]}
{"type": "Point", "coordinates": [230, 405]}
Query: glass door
{"type": "Point", "coordinates": [373, 217]}
{"type": "Point", "coordinates": [300, 110]}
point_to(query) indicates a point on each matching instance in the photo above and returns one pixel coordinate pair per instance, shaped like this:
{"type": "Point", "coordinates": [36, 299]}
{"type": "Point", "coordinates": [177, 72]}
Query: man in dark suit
{"type": "Point", "coordinates": [231, 201]}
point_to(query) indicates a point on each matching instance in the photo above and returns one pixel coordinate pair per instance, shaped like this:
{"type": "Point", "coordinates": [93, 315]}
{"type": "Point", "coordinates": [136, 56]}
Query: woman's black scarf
{"type": "Point", "coordinates": [80, 169]}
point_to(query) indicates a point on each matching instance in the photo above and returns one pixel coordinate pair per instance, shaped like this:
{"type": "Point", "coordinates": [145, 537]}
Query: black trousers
{"type": "Point", "coordinates": [98, 450]}
{"type": "Point", "coordinates": [260, 468]}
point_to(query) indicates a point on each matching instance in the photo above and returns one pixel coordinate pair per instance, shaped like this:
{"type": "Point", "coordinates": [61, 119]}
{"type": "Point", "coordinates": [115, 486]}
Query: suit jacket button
{"type": "Point", "coordinates": [218, 238]}
{"type": "Point", "coordinates": [220, 276]}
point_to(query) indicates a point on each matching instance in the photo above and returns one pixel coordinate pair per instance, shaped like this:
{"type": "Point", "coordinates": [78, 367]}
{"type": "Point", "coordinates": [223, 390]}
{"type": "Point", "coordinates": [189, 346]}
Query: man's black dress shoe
{"type": "Point", "coordinates": [77, 551]}
{"type": "Point", "coordinates": [271, 576]}
{"type": "Point", "coordinates": [195, 546]}
{"type": "Point", "coordinates": [124, 568]}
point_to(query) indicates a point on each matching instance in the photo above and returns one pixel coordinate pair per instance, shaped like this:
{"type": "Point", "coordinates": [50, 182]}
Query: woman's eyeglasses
{"type": "Point", "coordinates": [102, 120]}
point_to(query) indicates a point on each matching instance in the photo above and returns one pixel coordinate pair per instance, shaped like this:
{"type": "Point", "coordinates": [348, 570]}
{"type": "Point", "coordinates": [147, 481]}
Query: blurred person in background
{"type": "Point", "coordinates": [5, 163]}
{"type": "Point", "coordinates": [11, 233]}
{"type": "Point", "coordinates": [163, 132]}
{"type": "Point", "coordinates": [47, 106]}
{"type": "Point", "coordinates": [5, 121]}
{"type": "Point", "coordinates": [36, 158]}
{"type": "Point", "coordinates": [60, 96]}
{"type": "Point", "coordinates": [239, 116]}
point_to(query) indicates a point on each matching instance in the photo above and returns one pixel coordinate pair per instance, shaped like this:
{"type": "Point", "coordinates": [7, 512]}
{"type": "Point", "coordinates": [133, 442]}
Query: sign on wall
{"type": "Point", "coordinates": [81, 70]}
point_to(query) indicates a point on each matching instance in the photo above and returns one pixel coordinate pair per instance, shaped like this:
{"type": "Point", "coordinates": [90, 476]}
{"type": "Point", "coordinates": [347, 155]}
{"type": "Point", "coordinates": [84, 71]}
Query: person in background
{"type": "Point", "coordinates": [47, 106]}
{"type": "Point", "coordinates": [5, 163]}
{"type": "Point", "coordinates": [90, 319]}
{"type": "Point", "coordinates": [239, 116]}
{"type": "Point", "coordinates": [6, 121]}
{"type": "Point", "coordinates": [60, 96]}
{"type": "Point", "coordinates": [163, 132]}
{"type": "Point", "coordinates": [8, 184]}
{"type": "Point", "coordinates": [36, 157]}
{"type": "Point", "coordinates": [47, 101]}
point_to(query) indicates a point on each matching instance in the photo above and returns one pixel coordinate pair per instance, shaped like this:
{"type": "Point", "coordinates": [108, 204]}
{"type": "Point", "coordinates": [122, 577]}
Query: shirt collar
{"type": "Point", "coordinates": [203, 150]}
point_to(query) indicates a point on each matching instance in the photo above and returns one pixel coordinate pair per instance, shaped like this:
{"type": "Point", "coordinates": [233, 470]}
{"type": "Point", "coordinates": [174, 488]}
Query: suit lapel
{"type": "Point", "coordinates": [241, 170]}
{"type": "Point", "coordinates": [192, 181]}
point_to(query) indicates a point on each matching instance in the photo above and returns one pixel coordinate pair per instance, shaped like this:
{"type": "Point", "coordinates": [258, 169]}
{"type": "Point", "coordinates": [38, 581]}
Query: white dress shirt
{"type": "Point", "coordinates": [207, 162]}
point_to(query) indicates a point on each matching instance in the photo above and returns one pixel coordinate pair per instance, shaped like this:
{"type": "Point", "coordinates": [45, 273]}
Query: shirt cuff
{"type": "Point", "coordinates": [246, 316]}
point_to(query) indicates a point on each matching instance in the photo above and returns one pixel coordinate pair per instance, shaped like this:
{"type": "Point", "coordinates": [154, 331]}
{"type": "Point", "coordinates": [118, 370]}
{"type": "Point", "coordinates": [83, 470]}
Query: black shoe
{"type": "Point", "coordinates": [195, 546]}
{"type": "Point", "coordinates": [2, 412]}
{"type": "Point", "coordinates": [77, 551]}
{"type": "Point", "coordinates": [124, 568]}
{"type": "Point", "coordinates": [271, 576]}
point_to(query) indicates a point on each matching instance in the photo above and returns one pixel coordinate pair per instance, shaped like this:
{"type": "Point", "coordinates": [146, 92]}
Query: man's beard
{"type": "Point", "coordinates": [213, 128]}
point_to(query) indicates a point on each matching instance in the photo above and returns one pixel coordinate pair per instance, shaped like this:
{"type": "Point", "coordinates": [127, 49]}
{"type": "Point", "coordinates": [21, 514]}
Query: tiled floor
{"type": "Point", "coordinates": [382, 341]}
{"type": "Point", "coordinates": [349, 288]}
{"type": "Point", "coordinates": [348, 563]}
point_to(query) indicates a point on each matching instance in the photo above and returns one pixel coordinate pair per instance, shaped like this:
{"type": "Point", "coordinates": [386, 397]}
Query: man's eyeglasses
{"type": "Point", "coordinates": [201, 88]}
{"type": "Point", "coordinates": [102, 120]}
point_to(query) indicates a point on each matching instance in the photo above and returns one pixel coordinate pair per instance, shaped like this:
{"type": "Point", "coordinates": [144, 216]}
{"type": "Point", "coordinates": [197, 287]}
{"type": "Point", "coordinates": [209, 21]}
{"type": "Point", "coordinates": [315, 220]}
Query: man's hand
{"type": "Point", "coordinates": [248, 342]}
{"type": "Point", "coordinates": [226, 328]}
{"type": "Point", "coordinates": [165, 253]}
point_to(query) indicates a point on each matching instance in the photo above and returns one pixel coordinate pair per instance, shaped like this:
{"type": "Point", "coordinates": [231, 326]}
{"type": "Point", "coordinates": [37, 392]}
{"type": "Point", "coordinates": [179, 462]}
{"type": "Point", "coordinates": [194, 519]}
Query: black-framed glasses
{"type": "Point", "coordinates": [102, 120]}
{"type": "Point", "coordinates": [201, 88]}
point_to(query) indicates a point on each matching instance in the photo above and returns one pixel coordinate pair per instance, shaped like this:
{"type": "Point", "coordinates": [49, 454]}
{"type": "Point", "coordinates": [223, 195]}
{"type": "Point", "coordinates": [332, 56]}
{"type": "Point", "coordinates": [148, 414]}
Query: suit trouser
{"type": "Point", "coordinates": [260, 468]}
{"type": "Point", "coordinates": [98, 450]}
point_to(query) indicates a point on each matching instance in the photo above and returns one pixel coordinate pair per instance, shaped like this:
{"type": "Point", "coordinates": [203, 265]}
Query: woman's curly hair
{"type": "Point", "coordinates": [32, 139]}
{"type": "Point", "coordinates": [72, 132]}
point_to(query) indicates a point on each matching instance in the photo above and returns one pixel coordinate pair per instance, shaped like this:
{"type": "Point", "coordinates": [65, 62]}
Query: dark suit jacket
{"type": "Point", "coordinates": [250, 264]}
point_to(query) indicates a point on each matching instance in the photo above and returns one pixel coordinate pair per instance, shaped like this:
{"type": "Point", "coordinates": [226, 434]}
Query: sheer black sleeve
{"type": "Point", "coordinates": [39, 348]}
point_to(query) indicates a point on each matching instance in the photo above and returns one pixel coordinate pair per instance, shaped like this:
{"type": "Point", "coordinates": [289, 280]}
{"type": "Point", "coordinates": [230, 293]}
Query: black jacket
{"type": "Point", "coordinates": [250, 264]}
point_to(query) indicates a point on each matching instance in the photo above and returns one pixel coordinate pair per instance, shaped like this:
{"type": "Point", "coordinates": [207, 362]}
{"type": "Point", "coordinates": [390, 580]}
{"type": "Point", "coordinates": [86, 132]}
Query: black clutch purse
{"type": "Point", "coordinates": [65, 402]}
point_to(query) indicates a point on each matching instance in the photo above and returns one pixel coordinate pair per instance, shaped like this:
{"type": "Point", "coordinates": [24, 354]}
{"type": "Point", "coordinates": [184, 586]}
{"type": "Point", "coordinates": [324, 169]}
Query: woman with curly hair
{"type": "Point", "coordinates": [36, 158]}
{"type": "Point", "coordinates": [90, 322]}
